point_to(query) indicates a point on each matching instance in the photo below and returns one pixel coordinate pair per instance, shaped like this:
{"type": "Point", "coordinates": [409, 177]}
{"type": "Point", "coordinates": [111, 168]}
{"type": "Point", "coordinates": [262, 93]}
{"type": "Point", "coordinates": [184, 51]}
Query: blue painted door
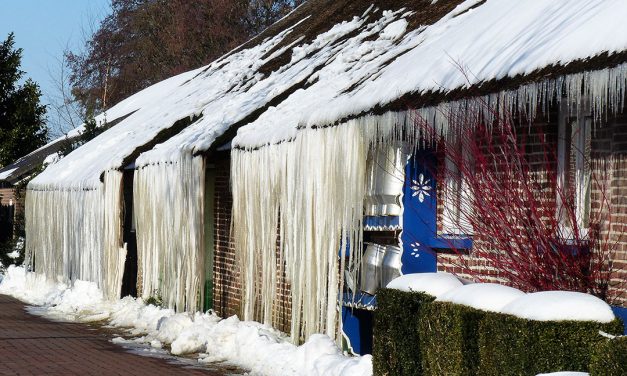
{"type": "Point", "coordinates": [419, 234]}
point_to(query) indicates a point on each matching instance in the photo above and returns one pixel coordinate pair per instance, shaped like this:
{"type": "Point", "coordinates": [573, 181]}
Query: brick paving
{"type": "Point", "coordinates": [31, 345]}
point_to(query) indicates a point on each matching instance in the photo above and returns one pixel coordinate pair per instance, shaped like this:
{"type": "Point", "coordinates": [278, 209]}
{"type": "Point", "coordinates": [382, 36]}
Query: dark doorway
{"type": "Point", "coordinates": [129, 280]}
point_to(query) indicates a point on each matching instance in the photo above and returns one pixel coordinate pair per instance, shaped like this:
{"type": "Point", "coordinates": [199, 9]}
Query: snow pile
{"type": "Point", "coordinates": [247, 344]}
{"type": "Point", "coordinates": [17, 248]}
{"type": "Point", "coordinates": [29, 287]}
{"type": "Point", "coordinates": [560, 306]}
{"type": "Point", "coordinates": [490, 297]}
{"type": "Point", "coordinates": [435, 284]}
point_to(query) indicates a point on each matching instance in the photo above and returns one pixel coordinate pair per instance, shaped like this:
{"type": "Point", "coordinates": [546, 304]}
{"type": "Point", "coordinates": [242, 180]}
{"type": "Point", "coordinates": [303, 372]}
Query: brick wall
{"type": "Point", "coordinates": [469, 265]}
{"type": "Point", "coordinates": [609, 165]}
{"type": "Point", "coordinates": [609, 183]}
{"type": "Point", "coordinates": [6, 196]}
{"type": "Point", "coordinates": [226, 282]}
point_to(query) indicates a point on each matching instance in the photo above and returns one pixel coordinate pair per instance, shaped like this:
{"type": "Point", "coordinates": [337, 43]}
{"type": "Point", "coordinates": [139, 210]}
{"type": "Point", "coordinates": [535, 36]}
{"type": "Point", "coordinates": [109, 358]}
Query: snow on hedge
{"type": "Point", "coordinates": [435, 284]}
{"type": "Point", "coordinates": [246, 344]}
{"type": "Point", "coordinates": [560, 306]}
{"type": "Point", "coordinates": [490, 297]}
{"type": "Point", "coordinates": [540, 306]}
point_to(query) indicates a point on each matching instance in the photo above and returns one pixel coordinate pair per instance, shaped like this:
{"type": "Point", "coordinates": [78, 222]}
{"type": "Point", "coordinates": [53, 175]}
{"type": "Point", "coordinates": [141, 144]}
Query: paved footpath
{"type": "Point", "coordinates": [31, 345]}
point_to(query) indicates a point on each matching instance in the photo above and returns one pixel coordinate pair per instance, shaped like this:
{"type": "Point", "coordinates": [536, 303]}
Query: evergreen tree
{"type": "Point", "coordinates": [22, 117]}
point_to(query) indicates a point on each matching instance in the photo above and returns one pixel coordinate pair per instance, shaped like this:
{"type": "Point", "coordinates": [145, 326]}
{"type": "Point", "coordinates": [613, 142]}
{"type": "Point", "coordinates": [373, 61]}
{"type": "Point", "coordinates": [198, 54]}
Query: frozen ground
{"type": "Point", "coordinates": [245, 344]}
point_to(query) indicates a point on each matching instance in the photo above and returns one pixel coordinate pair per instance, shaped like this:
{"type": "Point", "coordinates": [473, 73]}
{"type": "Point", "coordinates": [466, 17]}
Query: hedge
{"type": "Point", "coordinates": [413, 335]}
{"type": "Point", "coordinates": [610, 358]}
{"type": "Point", "coordinates": [396, 347]}
{"type": "Point", "coordinates": [513, 346]}
{"type": "Point", "coordinates": [449, 339]}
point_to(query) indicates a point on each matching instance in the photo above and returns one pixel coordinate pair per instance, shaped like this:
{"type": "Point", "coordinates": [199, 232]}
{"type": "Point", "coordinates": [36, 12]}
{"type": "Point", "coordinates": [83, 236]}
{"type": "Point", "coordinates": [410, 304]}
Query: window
{"type": "Point", "coordinates": [573, 175]}
{"type": "Point", "coordinates": [455, 195]}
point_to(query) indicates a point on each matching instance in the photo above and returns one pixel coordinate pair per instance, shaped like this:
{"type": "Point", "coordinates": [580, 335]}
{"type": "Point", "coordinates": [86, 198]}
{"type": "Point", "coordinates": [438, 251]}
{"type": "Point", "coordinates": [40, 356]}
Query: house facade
{"type": "Point", "coordinates": [262, 184]}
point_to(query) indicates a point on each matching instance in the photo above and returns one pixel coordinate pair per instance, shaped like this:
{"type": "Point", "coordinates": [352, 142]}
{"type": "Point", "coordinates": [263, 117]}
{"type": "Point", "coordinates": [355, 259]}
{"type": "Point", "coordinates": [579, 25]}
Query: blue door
{"type": "Point", "coordinates": [419, 232]}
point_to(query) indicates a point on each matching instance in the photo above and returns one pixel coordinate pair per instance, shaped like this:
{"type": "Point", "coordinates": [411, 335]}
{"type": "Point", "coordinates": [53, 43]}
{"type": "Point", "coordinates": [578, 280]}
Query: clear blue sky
{"type": "Point", "coordinates": [43, 29]}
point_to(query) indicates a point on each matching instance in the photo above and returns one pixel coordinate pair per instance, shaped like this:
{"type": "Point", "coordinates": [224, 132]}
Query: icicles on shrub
{"type": "Point", "coordinates": [169, 213]}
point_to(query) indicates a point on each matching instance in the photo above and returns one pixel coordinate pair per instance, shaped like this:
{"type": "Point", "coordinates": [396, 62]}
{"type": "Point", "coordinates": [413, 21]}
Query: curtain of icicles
{"type": "Point", "coordinates": [312, 189]}
{"type": "Point", "coordinates": [114, 248]}
{"type": "Point", "coordinates": [169, 214]}
{"type": "Point", "coordinates": [75, 233]}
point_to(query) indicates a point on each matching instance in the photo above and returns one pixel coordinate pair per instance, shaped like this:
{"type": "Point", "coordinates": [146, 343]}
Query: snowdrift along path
{"type": "Point", "coordinates": [246, 344]}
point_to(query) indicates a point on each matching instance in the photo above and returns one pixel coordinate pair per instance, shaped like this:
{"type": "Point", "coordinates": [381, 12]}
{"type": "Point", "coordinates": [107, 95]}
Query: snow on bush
{"type": "Point", "coordinates": [564, 373]}
{"type": "Point", "coordinates": [559, 306]}
{"type": "Point", "coordinates": [434, 284]}
{"type": "Point", "coordinates": [490, 297]}
{"type": "Point", "coordinates": [246, 344]}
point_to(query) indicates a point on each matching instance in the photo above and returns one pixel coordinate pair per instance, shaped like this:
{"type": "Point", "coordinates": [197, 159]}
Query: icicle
{"type": "Point", "coordinates": [68, 229]}
{"type": "Point", "coordinates": [114, 250]}
{"type": "Point", "coordinates": [316, 184]}
{"type": "Point", "coordinates": [169, 212]}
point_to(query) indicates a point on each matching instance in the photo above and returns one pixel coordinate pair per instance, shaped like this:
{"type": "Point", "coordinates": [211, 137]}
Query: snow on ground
{"type": "Point", "coordinates": [560, 305]}
{"type": "Point", "coordinates": [435, 284]}
{"type": "Point", "coordinates": [246, 344]}
{"type": "Point", "coordinates": [564, 373]}
{"type": "Point", "coordinates": [485, 296]}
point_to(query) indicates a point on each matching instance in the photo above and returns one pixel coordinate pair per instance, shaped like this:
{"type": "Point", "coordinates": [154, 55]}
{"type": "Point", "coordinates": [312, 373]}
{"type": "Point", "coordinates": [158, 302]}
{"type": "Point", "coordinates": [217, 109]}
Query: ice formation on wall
{"type": "Point", "coordinates": [169, 212]}
{"type": "Point", "coordinates": [76, 233]}
{"type": "Point", "coordinates": [62, 241]}
{"type": "Point", "coordinates": [113, 247]}
{"type": "Point", "coordinates": [313, 190]}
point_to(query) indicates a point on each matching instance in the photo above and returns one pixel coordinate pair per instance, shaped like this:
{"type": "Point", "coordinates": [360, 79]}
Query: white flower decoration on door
{"type": "Point", "coordinates": [415, 249]}
{"type": "Point", "coordinates": [421, 187]}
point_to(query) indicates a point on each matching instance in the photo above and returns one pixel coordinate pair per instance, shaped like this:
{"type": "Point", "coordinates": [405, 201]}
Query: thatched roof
{"type": "Point", "coordinates": [331, 60]}
{"type": "Point", "coordinates": [29, 163]}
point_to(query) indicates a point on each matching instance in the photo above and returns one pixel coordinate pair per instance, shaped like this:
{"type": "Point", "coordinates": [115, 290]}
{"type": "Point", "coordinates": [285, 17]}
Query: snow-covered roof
{"type": "Point", "coordinates": [330, 60]}
{"type": "Point", "coordinates": [479, 47]}
{"type": "Point", "coordinates": [17, 170]}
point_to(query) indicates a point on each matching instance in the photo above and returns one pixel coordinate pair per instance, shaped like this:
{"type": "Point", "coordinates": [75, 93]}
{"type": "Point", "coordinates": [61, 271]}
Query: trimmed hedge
{"type": "Point", "coordinates": [610, 358]}
{"type": "Point", "coordinates": [449, 339]}
{"type": "Point", "coordinates": [414, 335]}
{"type": "Point", "coordinates": [396, 347]}
{"type": "Point", "coordinates": [512, 346]}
